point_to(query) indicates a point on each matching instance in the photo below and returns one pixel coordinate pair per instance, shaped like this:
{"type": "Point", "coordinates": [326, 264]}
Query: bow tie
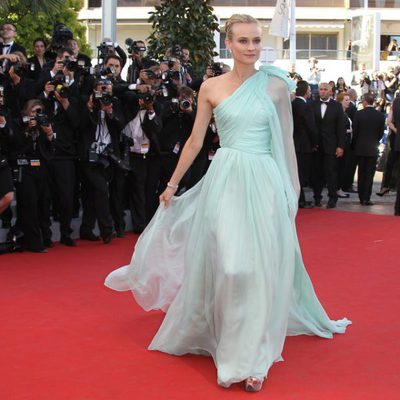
{"type": "Point", "coordinates": [324, 101]}
{"type": "Point", "coordinates": [6, 45]}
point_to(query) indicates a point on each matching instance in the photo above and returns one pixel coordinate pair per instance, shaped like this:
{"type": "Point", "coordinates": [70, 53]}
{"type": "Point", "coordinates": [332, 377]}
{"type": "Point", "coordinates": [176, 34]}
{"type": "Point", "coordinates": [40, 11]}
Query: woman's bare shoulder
{"type": "Point", "coordinates": [212, 88]}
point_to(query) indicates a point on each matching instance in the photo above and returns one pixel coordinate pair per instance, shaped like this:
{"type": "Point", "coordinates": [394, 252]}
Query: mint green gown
{"type": "Point", "coordinates": [223, 261]}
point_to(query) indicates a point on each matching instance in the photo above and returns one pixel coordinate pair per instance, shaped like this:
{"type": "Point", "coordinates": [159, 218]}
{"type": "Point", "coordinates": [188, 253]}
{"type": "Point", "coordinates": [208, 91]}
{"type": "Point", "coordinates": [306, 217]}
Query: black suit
{"type": "Point", "coordinates": [368, 129]}
{"type": "Point", "coordinates": [143, 179]}
{"type": "Point", "coordinates": [95, 177]}
{"type": "Point", "coordinates": [331, 135]}
{"type": "Point", "coordinates": [305, 140]}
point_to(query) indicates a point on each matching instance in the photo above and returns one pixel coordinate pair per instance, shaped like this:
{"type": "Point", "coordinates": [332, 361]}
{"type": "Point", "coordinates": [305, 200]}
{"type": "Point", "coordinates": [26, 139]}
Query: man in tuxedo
{"type": "Point", "coordinates": [368, 129]}
{"type": "Point", "coordinates": [8, 32]}
{"type": "Point", "coordinates": [304, 135]}
{"type": "Point", "coordinates": [329, 117]}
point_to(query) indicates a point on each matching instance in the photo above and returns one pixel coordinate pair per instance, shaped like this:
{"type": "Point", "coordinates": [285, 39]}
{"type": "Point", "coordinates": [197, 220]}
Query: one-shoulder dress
{"type": "Point", "coordinates": [223, 260]}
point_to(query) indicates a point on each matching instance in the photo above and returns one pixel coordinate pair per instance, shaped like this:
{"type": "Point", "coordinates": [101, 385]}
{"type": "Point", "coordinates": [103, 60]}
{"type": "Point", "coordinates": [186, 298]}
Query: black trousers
{"type": "Point", "coordinates": [160, 169]}
{"type": "Point", "coordinates": [117, 198]}
{"type": "Point", "coordinates": [366, 172]}
{"type": "Point", "coordinates": [136, 181]}
{"type": "Point", "coordinates": [95, 199]}
{"type": "Point", "coordinates": [62, 178]}
{"type": "Point", "coordinates": [324, 169]}
{"type": "Point", "coordinates": [397, 202]}
{"type": "Point", "coordinates": [393, 157]}
{"type": "Point", "coordinates": [304, 169]}
{"type": "Point", "coordinates": [33, 207]}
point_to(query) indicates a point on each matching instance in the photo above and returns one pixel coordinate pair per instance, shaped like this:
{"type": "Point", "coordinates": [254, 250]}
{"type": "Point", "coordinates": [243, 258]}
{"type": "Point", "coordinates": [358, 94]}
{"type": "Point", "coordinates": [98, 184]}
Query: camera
{"type": "Point", "coordinates": [102, 96]}
{"type": "Point", "coordinates": [58, 82]}
{"type": "Point", "coordinates": [170, 74]}
{"type": "Point", "coordinates": [216, 68]}
{"type": "Point", "coordinates": [104, 157]}
{"type": "Point", "coordinates": [176, 51]}
{"type": "Point", "coordinates": [61, 35]}
{"type": "Point", "coordinates": [148, 97]}
{"type": "Point", "coordinates": [21, 68]}
{"type": "Point", "coordinates": [42, 119]}
{"type": "Point", "coordinates": [132, 46]}
{"type": "Point", "coordinates": [185, 104]}
{"type": "Point", "coordinates": [105, 49]}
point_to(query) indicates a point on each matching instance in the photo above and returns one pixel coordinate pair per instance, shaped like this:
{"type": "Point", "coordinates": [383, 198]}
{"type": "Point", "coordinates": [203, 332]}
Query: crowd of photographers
{"type": "Point", "coordinates": [76, 136]}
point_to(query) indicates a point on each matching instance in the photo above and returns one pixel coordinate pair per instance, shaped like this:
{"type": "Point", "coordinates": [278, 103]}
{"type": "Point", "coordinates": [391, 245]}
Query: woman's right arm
{"type": "Point", "coordinates": [195, 142]}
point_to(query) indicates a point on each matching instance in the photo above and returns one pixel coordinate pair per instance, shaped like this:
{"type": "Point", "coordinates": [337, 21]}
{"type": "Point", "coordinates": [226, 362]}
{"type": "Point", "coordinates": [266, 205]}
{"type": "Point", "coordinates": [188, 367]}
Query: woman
{"type": "Point", "coordinates": [344, 163]}
{"type": "Point", "coordinates": [225, 261]}
{"type": "Point", "coordinates": [39, 58]}
{"type": "Point", "coordinates": [341, 86]}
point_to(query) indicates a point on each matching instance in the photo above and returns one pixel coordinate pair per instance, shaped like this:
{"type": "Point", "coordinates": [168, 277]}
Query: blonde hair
{"type": "Point", "coordinates": [239, 19]}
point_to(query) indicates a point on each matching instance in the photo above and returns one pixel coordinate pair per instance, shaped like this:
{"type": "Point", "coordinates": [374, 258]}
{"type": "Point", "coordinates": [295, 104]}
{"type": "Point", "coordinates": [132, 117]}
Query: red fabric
{"type": "Point", "coordinates": [64, 336]}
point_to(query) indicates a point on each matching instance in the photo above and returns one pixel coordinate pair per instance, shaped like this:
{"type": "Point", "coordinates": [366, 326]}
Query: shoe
{"type": "Point", "coordinates": [44, 250]}
{"type": "Point", "coordinates": [67, 241]}
{"type": "Point", "coordinates": [253, 384]}
{"type": "Point", "coordinates": [89, 236]}
{"type": "Point", "coordinates": [317, 203]}
{"type": "Point", "coordinates": [331, 204]}
{"type": "Point", "coordinates": [120, 233]}
{"type": "Point", "coordinates": [383, 192]}
{"type": "Point", "coordinates": [367, 203]}
{"type": "Point", "coordinates": [48, 243]}
{"type": "Point", "coordinates": [342, 195]}
{"type": "Point", "coordinates": [306, 204]}
{"type": "Point", "coordinates": [350, 190]}
{"type": "Point", "coordinates": [107, 239]}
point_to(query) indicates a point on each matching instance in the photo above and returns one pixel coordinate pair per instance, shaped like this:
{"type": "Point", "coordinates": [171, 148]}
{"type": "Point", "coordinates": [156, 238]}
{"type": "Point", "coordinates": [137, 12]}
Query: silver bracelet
{"type": "Point", "coordinates": [172, 186]}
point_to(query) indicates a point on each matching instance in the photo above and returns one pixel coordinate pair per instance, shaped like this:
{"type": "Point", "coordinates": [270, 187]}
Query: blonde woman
{"type": "Point", "coordinates": [223, 259]}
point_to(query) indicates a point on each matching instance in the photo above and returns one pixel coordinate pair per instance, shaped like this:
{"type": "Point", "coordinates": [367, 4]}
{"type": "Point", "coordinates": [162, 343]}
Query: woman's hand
{"type": "Point", "coordinates": [166, 196]}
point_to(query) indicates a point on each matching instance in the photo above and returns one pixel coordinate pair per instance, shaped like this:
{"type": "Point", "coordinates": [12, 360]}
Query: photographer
{"type": "Point", "coordinates": [109, 48]}
{"type": "Point", "coordinates": [6, 184]}
{"type": "Point", "coordinates": [177, 123]}
{"type": "Point", "coordinates": [74, 47]}
{"type": "Point", "coordinates": [136, 50]}
{"type": "Point", "coordinates": [30, 143]}
{"type": "Point", "coordinates": [8, 31]}
{"type": "Point", "coordinates": [99, 153]}
{"type": "Point", "coordinates": [144, 115]}
{"type": "Point", "coordinates": [63, 116]}
{"type": "Point", "coordinates": [62, 73]}
{"type": "Point", "coordinates": [213, 69]}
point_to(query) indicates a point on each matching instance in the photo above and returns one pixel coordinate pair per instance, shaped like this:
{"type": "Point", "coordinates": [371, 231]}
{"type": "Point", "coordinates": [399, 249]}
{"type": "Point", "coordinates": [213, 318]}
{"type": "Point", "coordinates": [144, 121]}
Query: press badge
{"type": "Point", "coordinates": [176, 148]}
{"type": "Point", "coordinates": [144, 148]}
{"type": "Point", "coordinates": [35, 163]}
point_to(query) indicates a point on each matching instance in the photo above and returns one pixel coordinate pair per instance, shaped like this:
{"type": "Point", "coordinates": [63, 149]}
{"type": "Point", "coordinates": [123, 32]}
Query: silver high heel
{"type": "Point", "coordinates": [253, 384]}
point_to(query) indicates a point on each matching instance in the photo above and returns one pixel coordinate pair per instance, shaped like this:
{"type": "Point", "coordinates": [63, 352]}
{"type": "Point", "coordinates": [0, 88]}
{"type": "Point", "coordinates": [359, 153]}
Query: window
{"type": "Point", "coordinates": [315, 45]}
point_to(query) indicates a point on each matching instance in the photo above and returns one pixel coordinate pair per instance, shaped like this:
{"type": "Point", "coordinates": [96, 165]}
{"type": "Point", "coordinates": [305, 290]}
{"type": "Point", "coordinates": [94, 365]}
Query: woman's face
{"type": "Point", "coordinates": [39, 48]}
{"type": "Point", "coordinates": [246, 43]}
{"type": "Point", "coordinates": [346, 102]}
{"type": "Point", "coordinates": [341, 81]}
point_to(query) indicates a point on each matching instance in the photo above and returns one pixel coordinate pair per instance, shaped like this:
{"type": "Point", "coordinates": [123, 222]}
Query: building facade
{"type": "Point", "coordinates": [323, 28]}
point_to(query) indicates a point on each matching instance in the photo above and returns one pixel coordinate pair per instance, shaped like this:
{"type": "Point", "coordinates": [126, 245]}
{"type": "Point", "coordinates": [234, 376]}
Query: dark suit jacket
{"type": "Point", "coordinates": [88, 126]}
{"type": "Point", "coordinates": [396, 123]}
{"type": "Point", "coordinates": [368, 129]}
{"type": "Point", "coordinates": [305, 129]}
{"type": "Point", "coordinates": [17, 47]}
{"type": "Point", "coordinates": [331, 129]}
{"type": "Point", "coordinates": [351, 111]}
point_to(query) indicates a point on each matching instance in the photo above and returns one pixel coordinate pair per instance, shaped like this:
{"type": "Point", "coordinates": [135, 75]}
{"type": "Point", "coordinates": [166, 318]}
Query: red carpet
{"type": "Point", "coordinates": [64, 336]}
